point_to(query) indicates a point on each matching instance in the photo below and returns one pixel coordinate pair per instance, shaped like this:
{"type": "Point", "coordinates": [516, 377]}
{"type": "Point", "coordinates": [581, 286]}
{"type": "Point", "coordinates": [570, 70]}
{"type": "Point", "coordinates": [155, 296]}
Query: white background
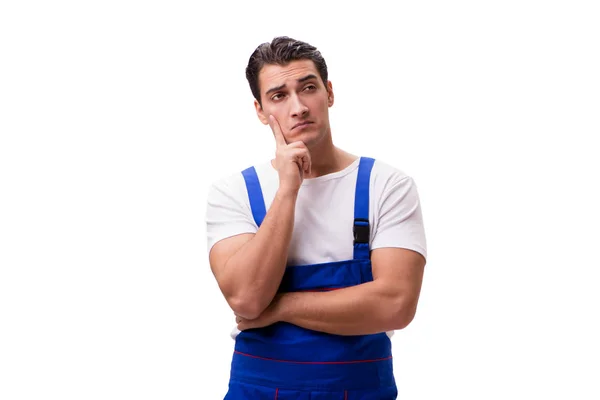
{"type": "Point", "coordinates": [116, 116]}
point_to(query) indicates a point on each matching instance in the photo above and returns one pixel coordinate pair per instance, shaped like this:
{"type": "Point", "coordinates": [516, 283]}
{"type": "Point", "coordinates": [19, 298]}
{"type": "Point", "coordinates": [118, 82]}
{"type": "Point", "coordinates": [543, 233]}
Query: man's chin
{"type": "Point", "coordinates": [308, 137]}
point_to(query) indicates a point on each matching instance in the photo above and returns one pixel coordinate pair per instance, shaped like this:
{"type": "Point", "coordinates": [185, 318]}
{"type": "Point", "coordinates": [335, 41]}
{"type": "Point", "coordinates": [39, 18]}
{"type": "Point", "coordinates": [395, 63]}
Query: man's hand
{"type": "Point", "coordinates": [292, 160]}
{"type": "Point", "coordinates": [271, 315]}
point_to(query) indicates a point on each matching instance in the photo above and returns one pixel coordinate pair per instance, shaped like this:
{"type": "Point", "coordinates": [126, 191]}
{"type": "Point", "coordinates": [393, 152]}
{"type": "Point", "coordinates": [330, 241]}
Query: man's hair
{"type": "Point", "coordinates": [281, 51]}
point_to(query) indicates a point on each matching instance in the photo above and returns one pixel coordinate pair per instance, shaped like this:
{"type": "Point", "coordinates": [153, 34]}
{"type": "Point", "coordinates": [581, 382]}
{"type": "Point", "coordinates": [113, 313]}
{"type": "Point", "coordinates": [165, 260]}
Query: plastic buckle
{"type": "Point", "coordinates": [362, 231]}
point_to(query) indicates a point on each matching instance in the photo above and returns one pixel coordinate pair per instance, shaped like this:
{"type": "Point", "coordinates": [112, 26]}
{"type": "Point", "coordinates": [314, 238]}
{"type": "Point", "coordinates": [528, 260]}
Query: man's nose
{"type": "Point", "coordinates": [299, 109]}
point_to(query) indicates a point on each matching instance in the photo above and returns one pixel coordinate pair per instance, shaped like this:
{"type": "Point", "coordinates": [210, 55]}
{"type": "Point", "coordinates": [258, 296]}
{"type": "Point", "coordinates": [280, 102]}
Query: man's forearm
{"type": "Point", "coordinates": [255, 271]}
{"type": "Point", "coordinates": [358, 310]}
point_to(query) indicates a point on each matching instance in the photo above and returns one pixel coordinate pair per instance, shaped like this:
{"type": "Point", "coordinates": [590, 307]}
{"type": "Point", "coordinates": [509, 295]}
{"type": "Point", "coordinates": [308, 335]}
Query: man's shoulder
{"type": "Point", "coordinates": [234, 179]}
{"type": "Point", "coordinates": [226, 180]}
{"type": "Point", "coordinates": [388, 172]}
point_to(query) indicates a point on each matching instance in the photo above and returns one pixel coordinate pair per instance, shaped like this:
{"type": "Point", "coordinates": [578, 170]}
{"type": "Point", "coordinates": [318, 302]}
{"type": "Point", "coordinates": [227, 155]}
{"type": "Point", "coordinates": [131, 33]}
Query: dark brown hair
{"type": "Point", "coordinates": [281, 51]}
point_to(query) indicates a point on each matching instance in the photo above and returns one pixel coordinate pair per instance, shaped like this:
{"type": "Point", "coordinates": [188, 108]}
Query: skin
{"type": "Point", "coordinates": [249, 267]}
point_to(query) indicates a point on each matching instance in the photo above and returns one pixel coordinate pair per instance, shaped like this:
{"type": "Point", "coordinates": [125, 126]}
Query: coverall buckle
{"type": "Point", "coordinates": [361, 230]}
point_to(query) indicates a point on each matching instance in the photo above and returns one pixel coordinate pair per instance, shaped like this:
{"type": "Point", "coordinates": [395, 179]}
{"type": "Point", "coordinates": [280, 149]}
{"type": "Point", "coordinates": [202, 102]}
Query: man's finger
{"type": "Point", "coordinates": [279, 138]}
{"type": "Point", "coordinates": [306, 162]}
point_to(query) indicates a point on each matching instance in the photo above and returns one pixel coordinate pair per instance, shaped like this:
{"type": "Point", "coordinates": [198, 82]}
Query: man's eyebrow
{"type": "Point", "coordinates": [274, 89]}
{"type": "Point", "coordinates": [300, 80]}
{"type": "Point", "coordinates": [307, 77]}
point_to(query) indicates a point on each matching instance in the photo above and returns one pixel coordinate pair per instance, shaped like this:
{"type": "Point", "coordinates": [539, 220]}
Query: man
{"type": "Point", "coordinates": [319, 253]}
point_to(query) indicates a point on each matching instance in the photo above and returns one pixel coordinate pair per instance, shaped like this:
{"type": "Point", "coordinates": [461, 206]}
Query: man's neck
{"type": "Point", "coordinates": [327, 159]}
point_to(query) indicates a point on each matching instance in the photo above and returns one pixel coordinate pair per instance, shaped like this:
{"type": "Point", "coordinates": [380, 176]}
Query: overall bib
{"type": "Point", "coordinates": [284, 361]}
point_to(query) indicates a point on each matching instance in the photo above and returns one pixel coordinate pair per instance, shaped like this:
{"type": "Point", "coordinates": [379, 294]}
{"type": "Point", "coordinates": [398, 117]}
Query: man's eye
{"type": "Point", "coordinates": [310, 87]}
{"type": "Point", "coordinates": [277, 96]}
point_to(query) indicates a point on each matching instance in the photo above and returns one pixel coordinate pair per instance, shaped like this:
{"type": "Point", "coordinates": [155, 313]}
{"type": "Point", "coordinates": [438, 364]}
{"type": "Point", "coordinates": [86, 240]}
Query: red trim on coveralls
{"type": "Point", "coordinates": [313, 362]}
{"type": "Point", "coordinates": [345, 395]}
{"type": "Point", "coordinates": [276, 393]}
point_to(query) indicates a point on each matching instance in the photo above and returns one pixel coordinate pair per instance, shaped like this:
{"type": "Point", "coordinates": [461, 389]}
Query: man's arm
{"type": "Point", "coordinates": [387, 303]}
{"type": "Point", "coordinates": [249, 267]}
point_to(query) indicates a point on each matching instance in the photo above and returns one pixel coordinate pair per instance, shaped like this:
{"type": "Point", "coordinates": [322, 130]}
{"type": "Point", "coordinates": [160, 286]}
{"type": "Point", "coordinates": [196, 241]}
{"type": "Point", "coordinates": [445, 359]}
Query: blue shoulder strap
{"type": "Point", "coordinates": [257, 202]}
{"type": "Point", "coordinates": [362, 231]}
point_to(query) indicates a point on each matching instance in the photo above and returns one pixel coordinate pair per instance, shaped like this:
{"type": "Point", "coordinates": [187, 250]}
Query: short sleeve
{"type": "Point", "coordinates": [228, 211]}
{"type": "Point", "coordinates": [400, 221]}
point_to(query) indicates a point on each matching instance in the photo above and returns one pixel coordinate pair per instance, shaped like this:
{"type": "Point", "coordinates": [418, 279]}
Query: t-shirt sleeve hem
{"type": "Point", "coordinates": [217, 237]}
{"type": "Point", "coordinates": [414, 247]}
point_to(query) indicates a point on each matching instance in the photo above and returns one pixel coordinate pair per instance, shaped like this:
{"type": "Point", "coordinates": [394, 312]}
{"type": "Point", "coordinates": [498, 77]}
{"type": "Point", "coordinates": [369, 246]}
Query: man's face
{"type": "Point", "coordinates": [296, 96]}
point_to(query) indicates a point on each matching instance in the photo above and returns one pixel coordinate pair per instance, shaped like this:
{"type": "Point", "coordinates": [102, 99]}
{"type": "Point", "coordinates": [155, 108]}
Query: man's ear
{"type": "Point", "coordinates": [330, 96]}
{"type": "Point", "coordinates": [260, 113]}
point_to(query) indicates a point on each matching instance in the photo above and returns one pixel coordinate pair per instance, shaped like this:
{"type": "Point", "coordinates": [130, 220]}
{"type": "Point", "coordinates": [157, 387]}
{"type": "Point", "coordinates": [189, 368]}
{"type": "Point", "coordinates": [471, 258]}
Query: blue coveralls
{"type": "Point", "coordinates": [284, 361]}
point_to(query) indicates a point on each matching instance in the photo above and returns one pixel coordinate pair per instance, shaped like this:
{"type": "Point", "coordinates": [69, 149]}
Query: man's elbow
{"type": "Point", "coordinates": [247, 308]}
{"type": "Point", "coordinates": [243, 302]}
{"type": "Point", "coordinates": [403, 321]}
{"type": "Point", "coordinates": [404, 315]}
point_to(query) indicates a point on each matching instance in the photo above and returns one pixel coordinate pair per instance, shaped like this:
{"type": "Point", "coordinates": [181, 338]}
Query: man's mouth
{"type": "Point", "coordinates": [301, 124]}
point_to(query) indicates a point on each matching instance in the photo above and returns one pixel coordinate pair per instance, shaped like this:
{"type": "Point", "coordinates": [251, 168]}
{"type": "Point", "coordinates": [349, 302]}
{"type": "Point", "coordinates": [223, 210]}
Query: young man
{"type": "Point", "coordinates": [319, 253]}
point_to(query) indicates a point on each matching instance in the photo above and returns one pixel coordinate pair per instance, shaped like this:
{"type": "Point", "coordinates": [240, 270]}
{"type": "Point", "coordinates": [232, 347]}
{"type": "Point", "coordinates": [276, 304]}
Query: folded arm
{"type": "Point", "coordinates": [387, 303]}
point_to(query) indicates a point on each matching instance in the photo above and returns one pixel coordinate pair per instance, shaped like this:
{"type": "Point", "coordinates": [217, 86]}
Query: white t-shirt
{"type": "Point", "coordinates": [324, 212]}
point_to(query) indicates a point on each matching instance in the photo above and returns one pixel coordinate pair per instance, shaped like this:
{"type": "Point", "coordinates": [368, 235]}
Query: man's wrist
{"type": "Point", "coordinates": [287, 194]}
{"type": "Point", "coordinates": [284, 307]}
